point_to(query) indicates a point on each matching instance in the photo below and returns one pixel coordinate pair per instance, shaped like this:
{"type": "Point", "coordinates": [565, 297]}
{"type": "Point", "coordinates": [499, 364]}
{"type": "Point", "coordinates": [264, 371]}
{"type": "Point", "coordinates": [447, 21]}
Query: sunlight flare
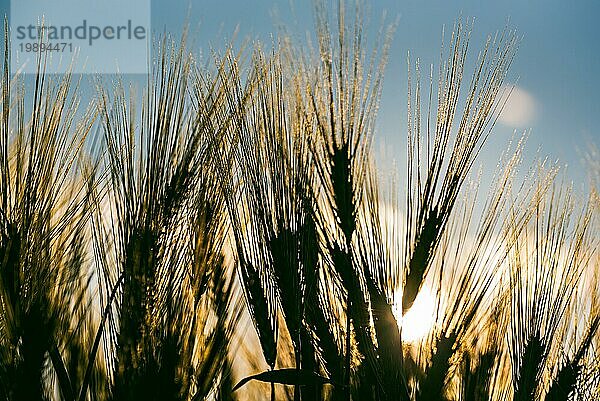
{"type": "Point", "coordinates": [420, 318]}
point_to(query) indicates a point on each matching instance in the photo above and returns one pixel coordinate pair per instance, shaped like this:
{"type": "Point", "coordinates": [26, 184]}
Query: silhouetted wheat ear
{"type": "Point", "coordinates": [434, 177]}
{"type": "Point", "coordinates": [43, 213]}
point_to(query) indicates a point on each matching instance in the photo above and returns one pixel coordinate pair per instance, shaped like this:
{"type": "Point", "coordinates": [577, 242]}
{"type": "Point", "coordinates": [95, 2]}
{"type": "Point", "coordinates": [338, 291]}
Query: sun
{"type": "Point", "coordinates": [419, 319]}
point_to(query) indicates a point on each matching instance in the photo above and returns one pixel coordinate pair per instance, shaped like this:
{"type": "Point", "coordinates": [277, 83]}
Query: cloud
{"type": "Point", "coordinates": [520, 109]}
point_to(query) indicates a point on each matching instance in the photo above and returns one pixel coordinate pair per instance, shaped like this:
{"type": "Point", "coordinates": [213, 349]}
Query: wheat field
{"type": "Point", "coordinates": [231, 234]}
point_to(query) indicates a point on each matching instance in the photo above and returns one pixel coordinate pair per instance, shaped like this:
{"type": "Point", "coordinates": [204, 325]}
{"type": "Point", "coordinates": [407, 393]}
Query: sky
{"type": "Point", "coordinates": [557, 97]}
{"type": "Point", "coordinates": [557, 94]}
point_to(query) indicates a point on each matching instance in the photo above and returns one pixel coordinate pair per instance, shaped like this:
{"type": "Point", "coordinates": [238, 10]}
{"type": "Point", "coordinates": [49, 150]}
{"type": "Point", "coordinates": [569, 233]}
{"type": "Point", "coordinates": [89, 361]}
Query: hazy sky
{"type": "Point", "coordinates": [557, 66]}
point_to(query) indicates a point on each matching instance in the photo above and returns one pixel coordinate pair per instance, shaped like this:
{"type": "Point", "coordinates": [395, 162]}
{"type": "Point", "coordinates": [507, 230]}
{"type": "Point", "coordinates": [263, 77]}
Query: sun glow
{"type": "Point", "coordinates": [419, 319]}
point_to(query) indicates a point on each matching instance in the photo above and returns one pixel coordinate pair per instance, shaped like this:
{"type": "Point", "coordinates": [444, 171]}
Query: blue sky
{"type": "Point", "coordinates": [557, 65]}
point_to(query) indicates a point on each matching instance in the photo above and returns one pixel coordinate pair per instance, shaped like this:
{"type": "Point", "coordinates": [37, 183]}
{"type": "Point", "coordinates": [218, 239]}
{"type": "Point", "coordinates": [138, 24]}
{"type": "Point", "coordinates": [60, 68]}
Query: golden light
{"type": "Point", "coordinates": [419, 319]}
